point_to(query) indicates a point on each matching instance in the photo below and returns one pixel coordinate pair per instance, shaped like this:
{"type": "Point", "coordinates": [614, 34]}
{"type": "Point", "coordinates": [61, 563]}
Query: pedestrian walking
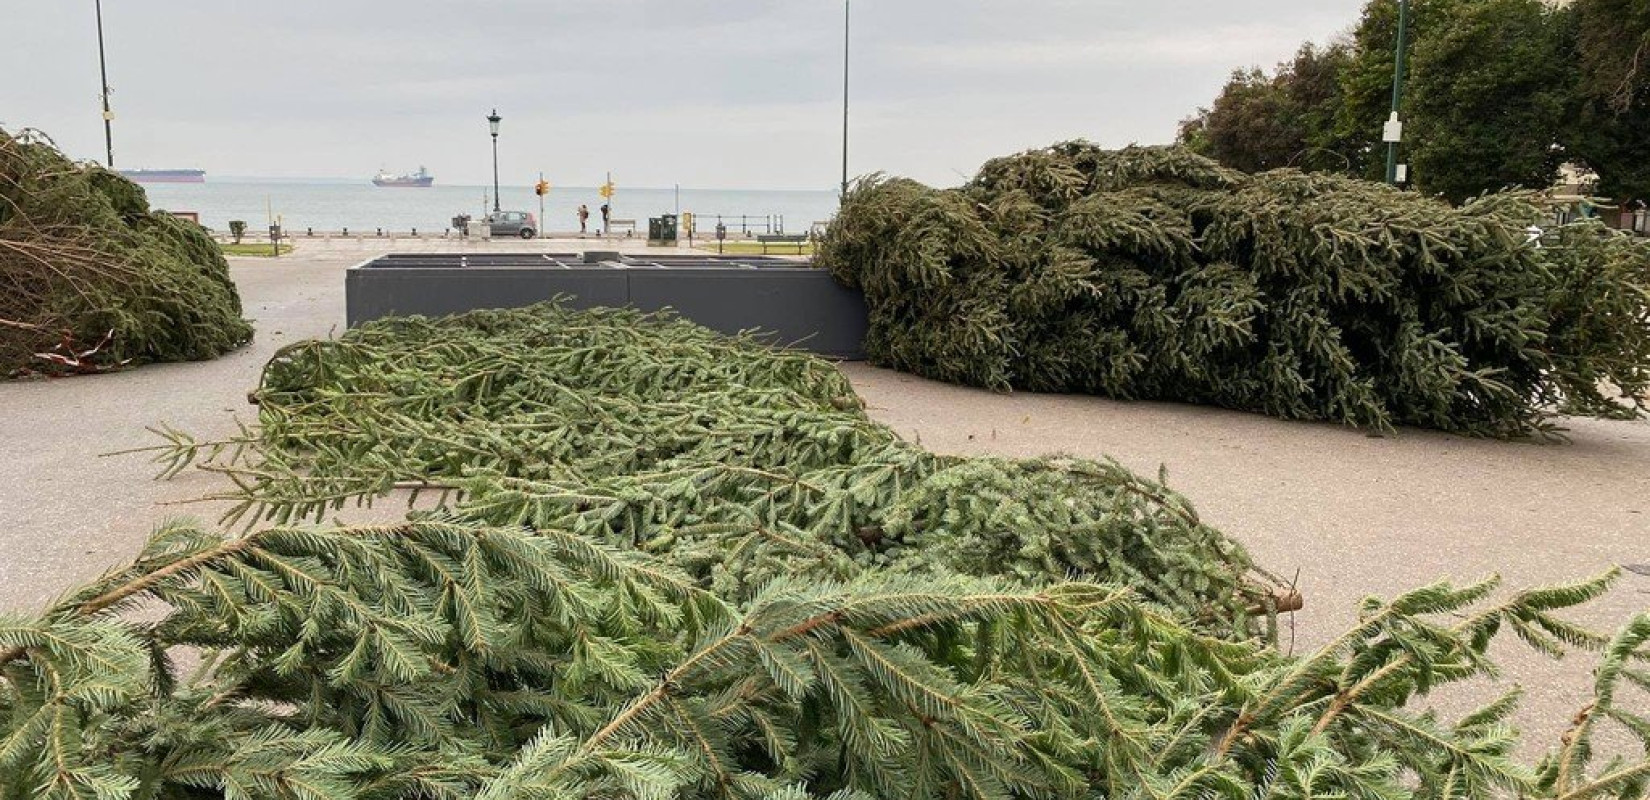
{"type": "Point", "coordinates": [584, 217]}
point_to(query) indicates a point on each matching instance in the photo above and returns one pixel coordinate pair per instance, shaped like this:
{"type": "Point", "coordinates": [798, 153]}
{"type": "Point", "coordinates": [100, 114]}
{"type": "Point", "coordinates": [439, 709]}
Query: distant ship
{"type": "Point", "coordinates": [421, 179]}
{"type": "Point", "coordinates": [165, 175]}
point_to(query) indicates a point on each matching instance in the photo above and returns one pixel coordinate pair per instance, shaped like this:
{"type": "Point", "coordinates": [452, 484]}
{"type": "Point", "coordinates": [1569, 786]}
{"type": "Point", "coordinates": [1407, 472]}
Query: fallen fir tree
{"type": "Point", "coordinates": [648, 589]}
{"type": "Point", "coordinates": [92, 278]}
{"type": "Point", "coordinates": [443, 658]}
{"type": "Point", "coordinates": [727, 457]}
{"type": "Point", "coordinates": [1153, 273]}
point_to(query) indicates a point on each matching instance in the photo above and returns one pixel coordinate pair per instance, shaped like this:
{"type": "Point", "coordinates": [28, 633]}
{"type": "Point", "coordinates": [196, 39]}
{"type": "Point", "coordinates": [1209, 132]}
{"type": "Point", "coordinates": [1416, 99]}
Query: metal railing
{"type": "Point", "coordinates": [704, 226]}
{"type": "Point", "coordinates": [742, 224]}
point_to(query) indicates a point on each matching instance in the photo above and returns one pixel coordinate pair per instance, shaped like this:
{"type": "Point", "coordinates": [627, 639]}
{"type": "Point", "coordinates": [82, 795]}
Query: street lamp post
{"type": "Point", "coordinates": [103, 72]}
{"type": "Point", "coordinates": [492, 125]}
{"type": "Point", "coordinates": [1394, 130]}
{"type": "Point", "coordinates": [846, 11]}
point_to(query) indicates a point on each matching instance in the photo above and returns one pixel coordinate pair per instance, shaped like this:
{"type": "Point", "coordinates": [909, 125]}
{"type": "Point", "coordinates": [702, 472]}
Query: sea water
{"type": "Point", "coordinates": [364, 207]}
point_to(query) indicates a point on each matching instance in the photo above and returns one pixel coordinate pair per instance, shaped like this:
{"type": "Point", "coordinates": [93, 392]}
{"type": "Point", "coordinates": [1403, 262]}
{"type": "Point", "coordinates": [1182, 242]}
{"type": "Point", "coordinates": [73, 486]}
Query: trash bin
{"type": "Point", "coordinates": [661, 231]}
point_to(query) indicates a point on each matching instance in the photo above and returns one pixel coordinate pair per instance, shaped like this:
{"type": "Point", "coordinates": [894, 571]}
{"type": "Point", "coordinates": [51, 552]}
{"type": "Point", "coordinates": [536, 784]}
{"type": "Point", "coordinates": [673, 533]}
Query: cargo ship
{"type": "Point", "coordinates": [421, 179]}
{"type": "Point", "coordinates": [165, 175]}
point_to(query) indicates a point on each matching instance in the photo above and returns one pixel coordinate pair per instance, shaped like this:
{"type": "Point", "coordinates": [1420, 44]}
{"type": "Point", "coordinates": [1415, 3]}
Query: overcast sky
{"type": "Point", "coordinates": [708, 93]}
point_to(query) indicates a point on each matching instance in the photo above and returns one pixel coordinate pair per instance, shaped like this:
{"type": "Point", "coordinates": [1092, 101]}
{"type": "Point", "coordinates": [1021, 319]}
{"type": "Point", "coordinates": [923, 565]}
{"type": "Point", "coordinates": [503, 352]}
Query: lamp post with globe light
{"type": "Point", "coordinates": [492, 125]}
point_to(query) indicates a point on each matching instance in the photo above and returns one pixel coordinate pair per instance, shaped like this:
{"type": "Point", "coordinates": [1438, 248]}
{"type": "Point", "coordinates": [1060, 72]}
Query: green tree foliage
{"type": "Point", "coordinates": [1613, 146]}
{"type": "Point", "coordinates": [463, 655]}
{"type": "Point", "coordinates": [1614, 51]}
{"type": "Point", "coordinates": [1262, 122]}
{"type": "Point", "coordinates": [1609, 126]}
{"type": "Point", "coordinates": [1498, 93]}
{"type": "Point", "coordinates": [1316, 92]}
{"type": "Point", "coordinates": [1366, 81]}
{"type": "Point", "coordinates": [1153, 273]}
{"type": "Point", "coordinates": [1249, 127]}
{"type": "Point", "coordinates": [1487, 99]}
{"type": "Point", "coordinates": [83, 261]}
{"type": "Point", "coordinates": [1490, 86]}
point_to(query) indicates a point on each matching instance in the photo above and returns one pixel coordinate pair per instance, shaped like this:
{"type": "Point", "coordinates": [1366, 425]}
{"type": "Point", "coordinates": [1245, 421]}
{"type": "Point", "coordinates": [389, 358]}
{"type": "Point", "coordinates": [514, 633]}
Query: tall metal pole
{"type": "Point", "coordinates": [1394, 133]}
{"type": "Point", "coordinates": [493, 120]}
{"type": "Point", "coordinates": [846, 18]}
{"type": "Point", "coordinates": [103, 72]}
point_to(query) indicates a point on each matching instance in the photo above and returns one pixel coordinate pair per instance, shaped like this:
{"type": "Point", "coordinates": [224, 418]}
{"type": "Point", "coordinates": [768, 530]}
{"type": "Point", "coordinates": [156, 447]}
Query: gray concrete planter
{"type": "Point", "coordinates": [790, 302]}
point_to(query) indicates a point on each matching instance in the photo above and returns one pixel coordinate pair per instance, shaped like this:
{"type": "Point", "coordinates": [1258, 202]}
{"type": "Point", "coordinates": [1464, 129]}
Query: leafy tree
{"type": "Point", "coordinates": [1248, 126]}
{"type": "Point", "coordinates": [1614, 51]}
{"type": "Point", "coordinates": [1488, 96]}
{"type": "Point", "coordinates": [1366, 80]}
{"type": "Point", "coordinates": [1315, 88]}
{"type": "Point", "coordinates": [1609, 124]}
{"type": "Point", "coordinates": [1487, 92]}
{"type": "Point", "coordinates": [1262, 122]}
{"type": "Point", "coordinates": [1614, 146]}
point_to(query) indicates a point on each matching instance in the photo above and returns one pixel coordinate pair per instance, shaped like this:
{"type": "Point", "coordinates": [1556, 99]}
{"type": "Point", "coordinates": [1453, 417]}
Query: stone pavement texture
{"type": "Point", "coordinates": [1354, 514]}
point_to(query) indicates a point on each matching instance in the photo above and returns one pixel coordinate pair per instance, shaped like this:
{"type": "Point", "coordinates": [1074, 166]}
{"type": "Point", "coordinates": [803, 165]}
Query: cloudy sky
{"type": "Point", "coordinates": [709, 93]}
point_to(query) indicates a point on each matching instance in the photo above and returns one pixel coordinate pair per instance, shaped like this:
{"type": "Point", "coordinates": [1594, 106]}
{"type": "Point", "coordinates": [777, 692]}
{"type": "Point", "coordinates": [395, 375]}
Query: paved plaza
{"type": "Point", "coordinates": [1353, 514]}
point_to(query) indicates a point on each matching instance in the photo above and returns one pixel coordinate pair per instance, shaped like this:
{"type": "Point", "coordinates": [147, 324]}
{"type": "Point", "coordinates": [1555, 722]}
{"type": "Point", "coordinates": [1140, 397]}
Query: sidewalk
{"type": "Point", "coordinates": [366, 247]}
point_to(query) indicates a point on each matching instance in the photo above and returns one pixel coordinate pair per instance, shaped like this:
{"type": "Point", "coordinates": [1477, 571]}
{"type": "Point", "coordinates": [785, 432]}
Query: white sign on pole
{"type": "Point", "coordinates": [1393, 131]}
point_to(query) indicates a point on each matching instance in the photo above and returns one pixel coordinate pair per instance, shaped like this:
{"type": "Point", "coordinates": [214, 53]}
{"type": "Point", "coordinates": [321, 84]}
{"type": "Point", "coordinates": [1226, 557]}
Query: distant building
{"type": "Point", "coordinates": [1574, 182]}
{"type": "Point", "coordinates": [1575, 196]}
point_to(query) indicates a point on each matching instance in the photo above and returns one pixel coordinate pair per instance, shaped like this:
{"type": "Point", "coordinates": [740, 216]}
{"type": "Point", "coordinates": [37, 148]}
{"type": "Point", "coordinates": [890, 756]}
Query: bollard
{"type": "Point", "coordinates": [346, 232]}
{"type": "Point", "coordinates": [380, 233]}
{"type": "Point", "coordinates": [415, 233]}
{"type": "Point", "coordinates": [310, 232]}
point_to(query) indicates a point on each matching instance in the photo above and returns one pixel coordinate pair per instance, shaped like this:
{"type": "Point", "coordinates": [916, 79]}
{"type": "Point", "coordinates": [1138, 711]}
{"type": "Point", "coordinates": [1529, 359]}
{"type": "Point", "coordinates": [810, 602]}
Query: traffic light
{"type": "Point", "coordinates": [542, 188]}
